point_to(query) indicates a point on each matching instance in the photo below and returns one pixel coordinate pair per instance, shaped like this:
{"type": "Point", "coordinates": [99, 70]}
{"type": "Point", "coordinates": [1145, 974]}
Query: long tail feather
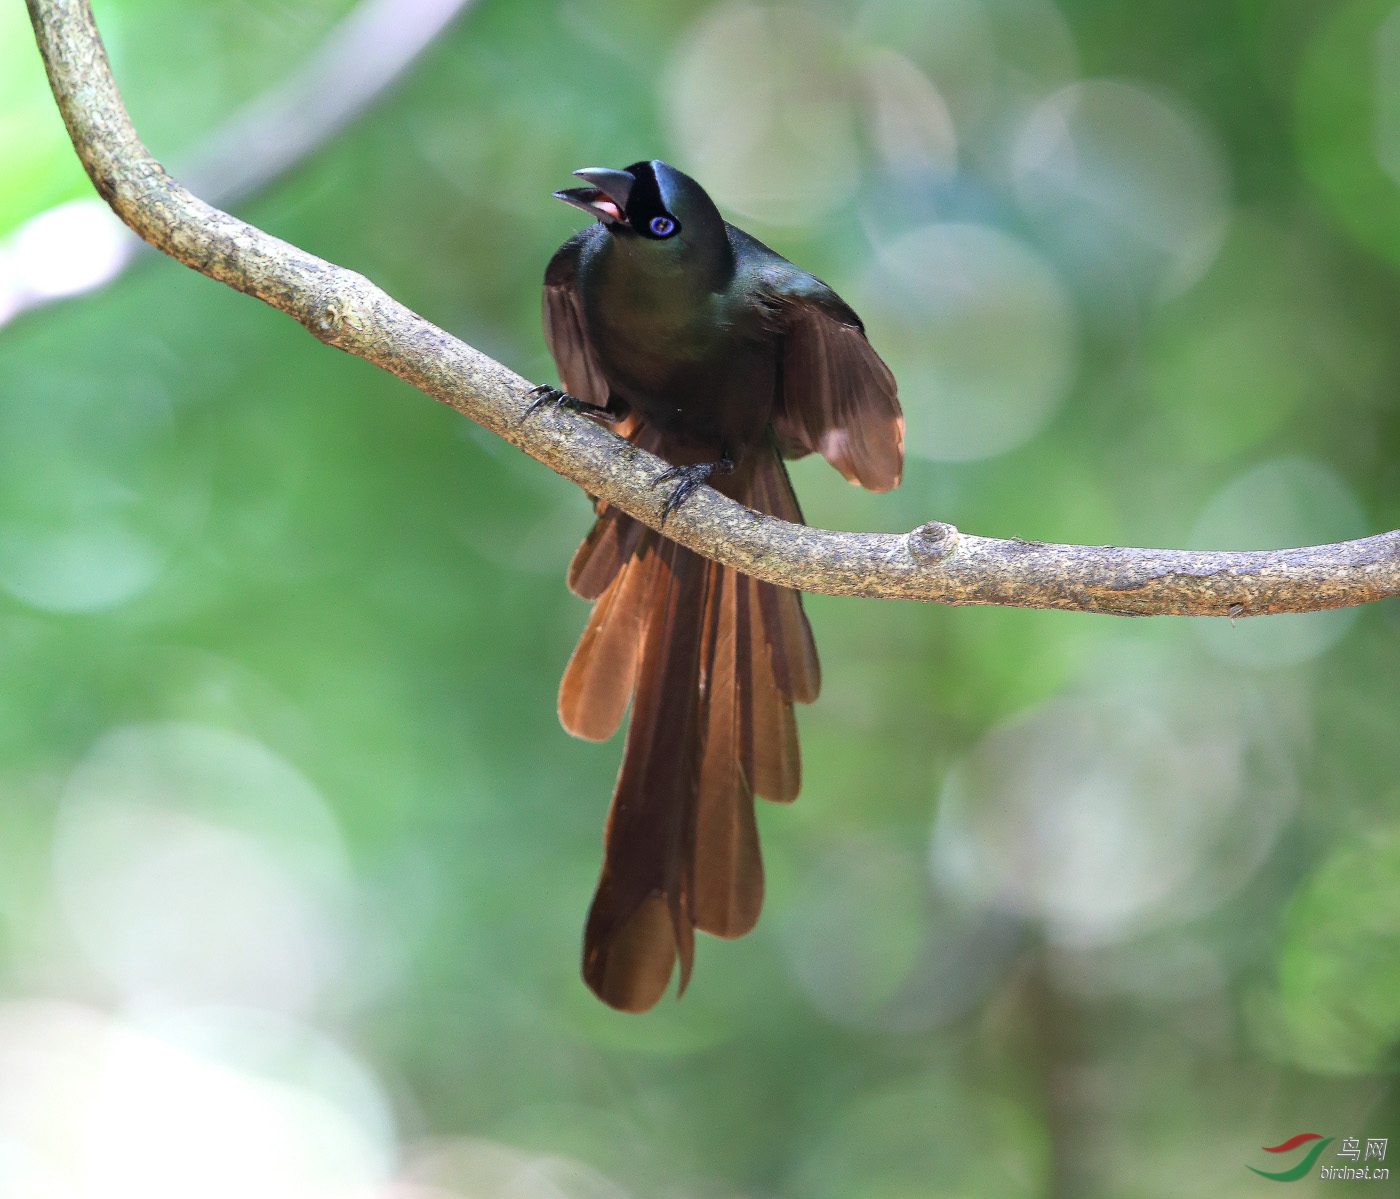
{"type": "Point", "coordinates": [728, 867]}
{"type": "Point", "coordinates": [650, 831]}
{"type": "Point", "coordinates": [599, 678]}
{"type": "Point", "coordinates": [716, 660]}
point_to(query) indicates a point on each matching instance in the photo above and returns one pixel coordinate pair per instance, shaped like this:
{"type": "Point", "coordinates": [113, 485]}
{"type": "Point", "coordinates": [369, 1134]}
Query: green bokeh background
{"type": "Point", "coordinates": [351, 576]}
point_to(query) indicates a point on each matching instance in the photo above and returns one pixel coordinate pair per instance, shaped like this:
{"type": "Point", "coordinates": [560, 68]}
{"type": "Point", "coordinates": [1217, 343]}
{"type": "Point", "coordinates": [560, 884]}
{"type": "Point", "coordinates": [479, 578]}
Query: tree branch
{"type": "Point", "coordinates": [934, 562]}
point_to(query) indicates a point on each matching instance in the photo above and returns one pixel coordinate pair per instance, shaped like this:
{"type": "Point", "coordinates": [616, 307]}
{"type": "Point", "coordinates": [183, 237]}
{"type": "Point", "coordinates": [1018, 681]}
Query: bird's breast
{"type": "Point", "coordinates": [678, 353]}
{"type": "Point", "coordinates": [648, 338]}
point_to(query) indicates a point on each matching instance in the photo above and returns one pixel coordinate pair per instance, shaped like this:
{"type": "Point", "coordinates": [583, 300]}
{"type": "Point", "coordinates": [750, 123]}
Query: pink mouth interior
{"type": "Point", "coordinates": [603, 204]}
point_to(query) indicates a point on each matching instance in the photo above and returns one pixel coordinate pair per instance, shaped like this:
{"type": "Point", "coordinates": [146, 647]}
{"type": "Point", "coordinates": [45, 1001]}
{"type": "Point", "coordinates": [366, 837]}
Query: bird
{"type": "Point", "coordinates": [697, 342]}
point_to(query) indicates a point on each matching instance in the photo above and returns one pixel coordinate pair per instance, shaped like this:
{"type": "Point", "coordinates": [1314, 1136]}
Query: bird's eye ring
{"type": "Point", "coordinates": [662, 226]}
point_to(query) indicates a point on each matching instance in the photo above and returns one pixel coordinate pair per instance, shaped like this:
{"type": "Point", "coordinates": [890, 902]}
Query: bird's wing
{"type": "Point", "coordinates": [836, 397]}
{"type": "Point", "coordinates": [564, 330]}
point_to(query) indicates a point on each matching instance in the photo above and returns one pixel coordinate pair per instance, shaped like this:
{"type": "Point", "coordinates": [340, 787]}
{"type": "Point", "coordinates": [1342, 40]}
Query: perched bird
{"type": "Point", "coordinates": [702, 345]}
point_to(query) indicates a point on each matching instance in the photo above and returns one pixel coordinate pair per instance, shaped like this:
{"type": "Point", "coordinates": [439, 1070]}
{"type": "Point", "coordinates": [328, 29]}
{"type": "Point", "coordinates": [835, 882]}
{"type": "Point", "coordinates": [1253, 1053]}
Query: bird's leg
{"type": "Point", "coordinates": [557, 399]}
{"type": "Point", "coordinates": [691, 477]}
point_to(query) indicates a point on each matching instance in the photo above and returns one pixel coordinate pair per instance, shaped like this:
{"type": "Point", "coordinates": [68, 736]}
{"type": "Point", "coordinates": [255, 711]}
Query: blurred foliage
{"type": "Point", "coordinates": [1068, 905]}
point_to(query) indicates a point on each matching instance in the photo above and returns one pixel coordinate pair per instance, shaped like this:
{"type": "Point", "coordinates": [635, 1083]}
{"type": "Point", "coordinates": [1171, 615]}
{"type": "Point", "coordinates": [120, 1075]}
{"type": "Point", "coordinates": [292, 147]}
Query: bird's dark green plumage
{"type": "Point", "coordinates": [703, 345]}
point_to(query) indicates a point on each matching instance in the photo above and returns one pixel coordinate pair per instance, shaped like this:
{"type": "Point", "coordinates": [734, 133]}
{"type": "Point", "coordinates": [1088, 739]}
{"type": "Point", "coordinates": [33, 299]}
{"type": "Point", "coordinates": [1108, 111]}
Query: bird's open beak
{"type": "Point", "coordinates": [606, 199]}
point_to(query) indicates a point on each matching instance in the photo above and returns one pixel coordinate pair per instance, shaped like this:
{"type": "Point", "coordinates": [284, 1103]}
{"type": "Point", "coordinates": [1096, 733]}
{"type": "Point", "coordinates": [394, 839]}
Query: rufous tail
{"type": "Point", "coordinates": [712, 661]}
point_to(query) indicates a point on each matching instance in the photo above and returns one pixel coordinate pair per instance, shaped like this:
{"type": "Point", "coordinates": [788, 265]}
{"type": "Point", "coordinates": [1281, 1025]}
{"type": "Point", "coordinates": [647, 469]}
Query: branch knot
{"type": "Point", "coordinates": [330, 314]}
{"type": "Point", "coordinates": [932, 542]}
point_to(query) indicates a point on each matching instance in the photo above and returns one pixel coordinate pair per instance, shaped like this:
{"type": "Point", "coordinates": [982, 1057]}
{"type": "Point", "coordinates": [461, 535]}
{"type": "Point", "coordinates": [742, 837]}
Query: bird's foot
{"type": "Point", "coordinates": [691, 478]}
{"type": "Point", "coordinates": [557, 399]}
{"type": "Point", "coordinates": [545, 394]}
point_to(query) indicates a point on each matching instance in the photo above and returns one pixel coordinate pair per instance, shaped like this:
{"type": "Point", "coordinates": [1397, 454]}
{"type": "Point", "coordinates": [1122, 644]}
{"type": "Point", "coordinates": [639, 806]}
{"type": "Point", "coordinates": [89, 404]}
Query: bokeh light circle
{"type": "Point", "coordinates": [225, 1109]}
{"type": "Point", "coordinates": [96, 488]}
{"type": "Point", "coordinates": [979, 333]}
{"type": "Point", "coordinates": [909, 122]}
{"type": "Point", "coordinates": [759, 105]}
{"type": "Point", "coordinates": [1110, 170]}
{"type": "Point", "coordinates": [1135, 805]}
{"type": "Point", "coordinates": [195, 865]}
{"type": "Point", "coordinates": [871, 948]}
{"type": "Point", "coordinates": [852, 935]}
{"type": "Point", "coordinates": [951, 43]}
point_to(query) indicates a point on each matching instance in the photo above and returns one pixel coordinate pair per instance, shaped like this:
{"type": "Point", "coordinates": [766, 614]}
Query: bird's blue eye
{"type": "Point", "coordinates": [662, 226]}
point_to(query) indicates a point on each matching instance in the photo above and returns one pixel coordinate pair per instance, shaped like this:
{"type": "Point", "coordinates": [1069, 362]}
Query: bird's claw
{"type": "Point", "coordinates": [691, 479]}
{"type": "Point", "coordinates": [557, 399]}
{"type": "Point", "coordinates": [545, 394]}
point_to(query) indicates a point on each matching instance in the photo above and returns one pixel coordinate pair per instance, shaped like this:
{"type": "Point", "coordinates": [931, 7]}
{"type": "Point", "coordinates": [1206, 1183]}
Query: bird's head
{"type": "Point", "coordinates": [651, 201]}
